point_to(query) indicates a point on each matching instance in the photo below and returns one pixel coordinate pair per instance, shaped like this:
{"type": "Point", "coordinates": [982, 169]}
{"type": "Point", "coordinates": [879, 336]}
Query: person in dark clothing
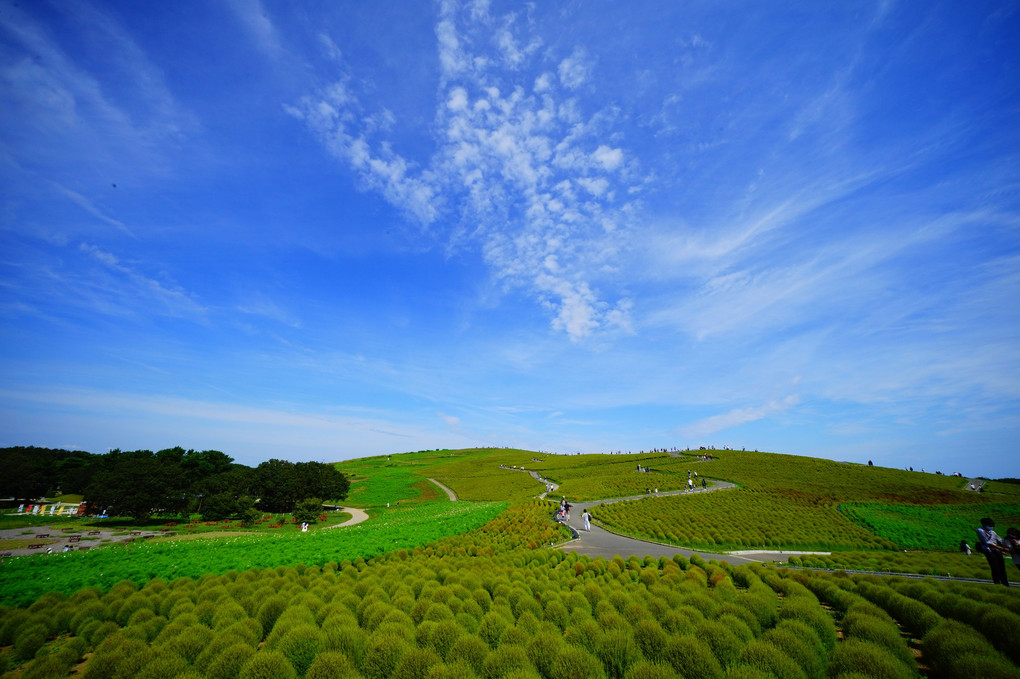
{"type": "Point", "coordinates": [990, 544]}
{"type": "Point", "coordinates": [1013, 544]}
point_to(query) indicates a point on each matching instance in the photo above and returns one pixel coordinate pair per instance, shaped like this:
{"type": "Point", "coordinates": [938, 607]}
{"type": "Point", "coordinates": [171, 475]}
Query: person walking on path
{"type": "Point", "coordinates": [990, 544]}
{"type": "Point", "coordinates": [587, 520]}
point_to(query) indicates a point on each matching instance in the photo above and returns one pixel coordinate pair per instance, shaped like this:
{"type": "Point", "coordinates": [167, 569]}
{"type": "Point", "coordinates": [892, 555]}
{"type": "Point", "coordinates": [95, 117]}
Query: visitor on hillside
{"type": "Point", "coordinates": [1013, 543]}
{"type": "Point", "coordinates": [587, 520]}
{"type": "Point", "coordinates": [990, 544]}
{"type": "Point", "coordinates": [704, 484]}
{"type": "Point", "coordinates": [964, 547]}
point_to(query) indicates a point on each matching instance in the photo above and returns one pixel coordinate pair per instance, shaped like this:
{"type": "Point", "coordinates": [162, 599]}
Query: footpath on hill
{"type": "Point", "coordinates": [449, 492]}
{"type": "Point", "coordinates": [55, 541]}
{"type": "Point", "coordinates": [598, 541]}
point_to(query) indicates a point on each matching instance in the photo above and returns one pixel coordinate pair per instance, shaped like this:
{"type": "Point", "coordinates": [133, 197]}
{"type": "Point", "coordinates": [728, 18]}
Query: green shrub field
{"type": "Point", "coordinates": [433, 589]}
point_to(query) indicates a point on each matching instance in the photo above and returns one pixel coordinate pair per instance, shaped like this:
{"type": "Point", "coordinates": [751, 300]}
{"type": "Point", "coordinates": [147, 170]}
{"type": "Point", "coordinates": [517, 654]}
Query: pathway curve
{"type": "Point", "coordinates": [449, 492]}
{"type": "Point", "coordinates": [601, 542]}
{"type": "Point", "coordinates": [357, 516]}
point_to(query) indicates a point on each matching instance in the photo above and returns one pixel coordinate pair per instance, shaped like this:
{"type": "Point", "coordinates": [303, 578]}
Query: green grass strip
{"type": "Point", "coordinates": [25, 579]}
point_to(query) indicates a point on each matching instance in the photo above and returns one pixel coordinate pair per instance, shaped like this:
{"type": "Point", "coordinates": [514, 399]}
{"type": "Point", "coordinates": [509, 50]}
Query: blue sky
{"type": "Point", "coordinates": [325, 230]}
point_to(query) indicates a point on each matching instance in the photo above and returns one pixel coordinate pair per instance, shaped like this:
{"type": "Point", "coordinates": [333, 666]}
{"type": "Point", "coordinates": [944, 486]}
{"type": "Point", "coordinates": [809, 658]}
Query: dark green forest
{"type": "Point", "coordinates": [172, 482]}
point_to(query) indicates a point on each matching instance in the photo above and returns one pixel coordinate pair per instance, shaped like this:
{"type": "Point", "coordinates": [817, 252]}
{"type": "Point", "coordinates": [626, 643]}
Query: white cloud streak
{"type": "Point", "coordinates": [522, 171]}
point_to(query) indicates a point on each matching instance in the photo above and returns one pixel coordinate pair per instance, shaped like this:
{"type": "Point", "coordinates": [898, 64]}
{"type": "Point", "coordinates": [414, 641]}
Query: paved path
{"type": "Point", "coordinates": [974, 484]}
{"type": "Point", "coordinates": [600, 542]}
{"type": "Point", "coordinates": [450, 493]}
{"type": "Point", "coordinates": [357, 516]}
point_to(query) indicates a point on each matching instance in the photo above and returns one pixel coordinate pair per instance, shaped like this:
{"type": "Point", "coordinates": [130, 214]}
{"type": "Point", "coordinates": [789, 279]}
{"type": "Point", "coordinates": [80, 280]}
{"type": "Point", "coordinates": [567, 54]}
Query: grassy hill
{"type": "Point", "coordinates": [431, 589]}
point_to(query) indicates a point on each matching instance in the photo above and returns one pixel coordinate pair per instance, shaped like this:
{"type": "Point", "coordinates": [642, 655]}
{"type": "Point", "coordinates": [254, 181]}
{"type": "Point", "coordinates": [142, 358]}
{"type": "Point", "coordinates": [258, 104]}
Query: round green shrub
{"type": "Point", "coordinates": [949, 641]}
{"type": "Point", "coordinates": [346, 639]}
{"type": "Point", "coordinates": [973, 665]}
{"type": "Point", "coordinates": [267, 665]}
{"type": "Point", "coordinates": [269, 611]}
{"type": "Point", "coordinates": [869, 659]}
{"type": "Point", "coordinates": [650, 638]}
{"type": "Point", "coordinates": [332, 665]}
{"type": "Point", "coordinates": [492, 627]}
{"type": "Point", "coordinates": [725, 644]}
{"type": "Point", "coordinates": [504, 660]}
{"type": "Point", "coordinates": [681, 620]}
{"type": "Point", "coordinates": [747, 672]}
{"type": "Point", "coordinates": [46, 667]}
{"type": "Point", "coordinates": [768, 659]}
{"type": "Point", "coordinates": [382, 653]}
{"type": "Point", "coordinates": [647, 670]}
{"type": "Point", "coordinates": [798, 648]}
{"type": "Point", "coordinates": [214, 648]}
{"type": "Point", "coordinates": [30, 638]}
{"type": "Point", "coordinates": [227, 613]}
{"type": "Point", "coordinates": [249, 629]}
{"type": "Point", "coordinates": [300, 645]}
{"type": "Point", "coordinates": [866, 627]}
{"type": "Point", "coordinates": [691, 656]}
{"type": "Point", "coordinates": [618, 652]}
{"type": "Point", "coordinates": [229, 661]}
{"type": "Point", "coordinates": [587, 635]}
{"type": "Point", "coordinates": [1002, 628]}
{"type": "Point", "coordinates": [165, 666]}
{"type": "Point", "coordinates": [287, 620]}
{"type": "Point", "coordinates": [472, 650]}
{"type": "Point", "coordinates": [514, 636]}
{"type": "Point", "coordinates": [444, 636]}
{"type": "Point", "coordinates": [576, 663]}
{"type": "Point", "coordinates": [189, 643]}
{"type": "Point", "coordinates": [809, 611]}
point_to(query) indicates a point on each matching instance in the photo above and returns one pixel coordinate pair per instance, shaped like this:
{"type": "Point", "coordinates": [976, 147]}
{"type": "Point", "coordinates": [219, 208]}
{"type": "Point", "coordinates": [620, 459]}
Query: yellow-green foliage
{"type": "Point", "coordinates": [495, 602]}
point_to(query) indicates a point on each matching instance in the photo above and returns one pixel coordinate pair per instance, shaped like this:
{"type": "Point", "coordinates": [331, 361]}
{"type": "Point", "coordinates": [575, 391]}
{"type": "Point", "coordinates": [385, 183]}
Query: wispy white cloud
{"type": "Point", "coordinates": [256, 21]}
{"type": "Point", "coordinates": [525, 174]}
{"type": "Point", "coordinates": [87, 205]}
{"type": "Point", "coordinates": [737, 417]}
{"type": "Point", "coordinates": [124, 290]}
{"type": "Point", "coordinates": [52, 95]}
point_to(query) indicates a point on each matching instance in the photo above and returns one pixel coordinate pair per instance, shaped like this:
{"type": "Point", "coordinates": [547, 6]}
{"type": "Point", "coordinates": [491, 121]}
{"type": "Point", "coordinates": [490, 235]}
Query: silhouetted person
{"type": "Point", "coordinates": [990, 544]}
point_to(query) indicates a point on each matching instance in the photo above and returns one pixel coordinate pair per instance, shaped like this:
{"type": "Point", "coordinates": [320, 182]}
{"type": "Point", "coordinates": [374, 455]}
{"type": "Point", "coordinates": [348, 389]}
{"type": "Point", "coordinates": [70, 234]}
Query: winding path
{"type": "Point", "coordinates": [449, 492]}
{"type": "Point", "coordinates": [601, 542]}
{"type": "Point", "coordinates": [357, 516]}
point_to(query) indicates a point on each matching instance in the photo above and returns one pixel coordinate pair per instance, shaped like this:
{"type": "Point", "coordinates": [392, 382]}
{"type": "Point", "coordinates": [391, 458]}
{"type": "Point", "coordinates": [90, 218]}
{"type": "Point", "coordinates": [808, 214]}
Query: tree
{"type": "Point", "coordinates": [276, 485]}
{"type": "Point", "coordinates": [138, 484]}
{"type": "Point", "coordinates": [308, 509]}
{"type": "Point", "coordinates": [321, 480]}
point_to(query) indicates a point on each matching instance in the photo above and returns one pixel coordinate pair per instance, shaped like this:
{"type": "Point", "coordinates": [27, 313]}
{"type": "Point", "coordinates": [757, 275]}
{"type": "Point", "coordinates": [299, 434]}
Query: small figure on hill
{"type": "Point", "coordinates": [964, 547]}
{"type": "Point", "coordinates": [704, 485]}
{"type": "Point", "coordinates": [587, 520]}
{"type": "Point", "coordinates": [990, 544]}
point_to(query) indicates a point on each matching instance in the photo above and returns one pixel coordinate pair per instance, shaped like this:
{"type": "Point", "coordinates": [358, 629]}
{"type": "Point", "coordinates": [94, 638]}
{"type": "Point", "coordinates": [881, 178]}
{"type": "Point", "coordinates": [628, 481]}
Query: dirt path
{"type": "Point", "coordinates": [450, 493]}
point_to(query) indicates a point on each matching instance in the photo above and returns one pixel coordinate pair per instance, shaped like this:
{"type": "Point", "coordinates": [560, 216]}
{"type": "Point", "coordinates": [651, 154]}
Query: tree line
{"type": "Point", "coordinates": [173, 482]}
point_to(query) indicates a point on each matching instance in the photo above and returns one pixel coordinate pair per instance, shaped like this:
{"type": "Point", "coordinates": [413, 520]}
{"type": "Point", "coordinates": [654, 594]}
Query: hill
{"type": "Point", "coordinates": [428, 588]}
